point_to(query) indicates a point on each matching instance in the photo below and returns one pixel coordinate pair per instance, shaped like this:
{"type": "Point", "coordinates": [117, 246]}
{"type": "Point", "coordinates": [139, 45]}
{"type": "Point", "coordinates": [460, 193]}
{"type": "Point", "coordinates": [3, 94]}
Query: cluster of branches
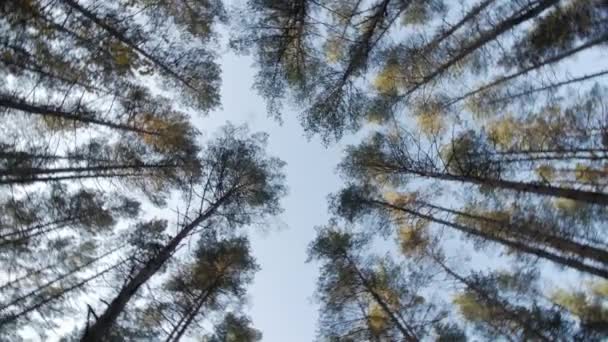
{"type": "Point", "coordinates": [96, 127]}
{"type": "Point", "coordinates": [489, 138]}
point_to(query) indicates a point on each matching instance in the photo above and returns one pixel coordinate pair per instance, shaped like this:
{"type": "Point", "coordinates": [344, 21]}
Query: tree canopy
{"type": "Point", "coordinates": [474, 186]}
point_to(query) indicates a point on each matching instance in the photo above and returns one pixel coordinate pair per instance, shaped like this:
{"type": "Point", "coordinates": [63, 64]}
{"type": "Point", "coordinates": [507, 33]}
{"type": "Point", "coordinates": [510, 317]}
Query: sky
{"type": "Point", "coordinates": [281, 298]}
{"type": "Point", "coordinates": [281, 302]}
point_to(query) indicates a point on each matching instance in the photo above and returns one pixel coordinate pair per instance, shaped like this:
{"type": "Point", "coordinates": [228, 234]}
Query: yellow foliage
{"type": "Point", "coordinates": [575, 302]}
{"type": "Point", "coordinates": [375, 117]}
{"type": "Point", "coordinates": [600, 289]}
{"type": "Point", "coordinates": [590, 308]}
{"type": "Point", "coordinates": [60, 124]}
{"type": "Point", "coordinates": [546, 172]}
{"type": "Point", "coordinates": [470, 308]}
{"type": "Point", "coordinates": [502, 132]}
{"type": "Point", "coordinates": [334, 49]}
{"type": "Point", "coordinates": [388, 296]}
{"type": "Point", "coordinates": [567, 205]}
{"type": "Point", "coordinates": [413, 238]}
{"type": "Point", "coordinates": [416, 14]}
{"type": "Point", "coordinates": [378, 319]}
{"type": "Point", "coordinates": [387, 80]}
{"type": "Point", "coordinates": [585, 173]}
{"type": "Point", "coordinates": [483, 225]}
{"type": "Point", "coordinates": [123, 55]}
{"type": "Point", "coordinates": [399, 198]}
{"type": "Point", "coordinates": [430, 124]}
{"type": "Point", "coordinates": [170, 134]}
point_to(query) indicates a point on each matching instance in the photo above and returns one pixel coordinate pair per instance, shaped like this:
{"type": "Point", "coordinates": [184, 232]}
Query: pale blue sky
{"type": "Point", "coordinates": [281, 302]}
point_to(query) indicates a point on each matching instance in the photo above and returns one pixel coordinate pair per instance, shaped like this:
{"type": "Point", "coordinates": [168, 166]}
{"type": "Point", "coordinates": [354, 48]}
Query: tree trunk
{"type": "Point", "coordinates": [118, 35]}
{"type": "Point", "coordinates": [516, 245]}
{"type": "Point", "coordinates": [524, 234]}
{"type": "Point", "coordinates": [104, 323]}
{"type": "Point", "coordinates": [62, 222]}
{"type": "Point", "coordinates": [187, 319]}
{"type": "Point", "coordinates": [63, 178]}
{"type": "Point", "coordinates": [485, 37]}
{"type": "Point", "coordinates": [11, 317]}
{"type": "Point", "coordinates": [444, 35]}
{"type": "Point", "coordinates": [407, 332]}
{"type": "Point", "coordinates": [494, 301]}
{"type": "Point", "coordinates": [25, 172]}
{"type": "Point", "coordinates": [6, 242]}
{"type": "Point", "coordinates": [552, 86]}
{"type": "Point", "coordinates": [56, 112]}
{"type": "Point", "coordinates": [535, 188]}
{"type": "Point", "coordinates": [58, 279]}
{"type": "Point", "coordinates": [603, 38]}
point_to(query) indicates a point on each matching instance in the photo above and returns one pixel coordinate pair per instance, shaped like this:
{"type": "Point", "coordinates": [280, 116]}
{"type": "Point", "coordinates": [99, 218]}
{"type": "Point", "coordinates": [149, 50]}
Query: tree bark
{"type": "Point", "coordinates": [524, 234]}
{"type": "Point", "coordinates": [11, 317]}
{"type": "Point", "coordinates": [60, 278]}
{"type": "Point", "coordinates": [494, 301]}
{"type": "Point", "coordinates": [40, 171]}
{"type": "Point", "coordinates": [189, 317]}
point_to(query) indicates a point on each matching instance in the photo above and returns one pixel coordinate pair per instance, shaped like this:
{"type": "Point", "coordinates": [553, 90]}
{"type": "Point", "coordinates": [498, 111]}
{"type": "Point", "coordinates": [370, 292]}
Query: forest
{"type": "Point", "coordinates": [474, 167]}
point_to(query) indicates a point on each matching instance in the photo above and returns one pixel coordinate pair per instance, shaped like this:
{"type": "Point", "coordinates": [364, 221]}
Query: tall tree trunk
{"type": "Point", "coordinates": [187, 319]}
{"type": "Point", "coordinates": [104, 323]}
{"type": "Point", "coordinates": [41, 270]}
{"type": "Point", "coordinates": [64, 178]}
{"type": "Point", "coordinates": [62, 222]}
{"type": "Point", "coordinates": [13, 316]}
{"type": "Point", "coordinates": [485, 37]}
{"type": "Point", "coordinates": [534, 188]}
{"type": "Point", "coordinates": [494, 301]}
{"type": "Point", "coordinates": [8, 101]}
{"type": "Point", "coordinates": [444, 35]}
{"type": "Point", "coordinates": [515, 245]}
{"type": "Point", "coordinates": [58, 279]}
{"type": "Point", "coordinates": [125, 40]}
{"type": "Point", "coordinates": [525, 234]}
{"type": "Point", "coordinates": [602, 39]}
{"type": "Point", "coordinates": [551, 86]}
{"type": "Point", "coordinates": [24, 155]}
{"type": "Point", "coordinates": [406, 331]}
{"type": "Point", "coordinates": [25, 172]}
{"type": "Point", "coordinates": [7, 242]}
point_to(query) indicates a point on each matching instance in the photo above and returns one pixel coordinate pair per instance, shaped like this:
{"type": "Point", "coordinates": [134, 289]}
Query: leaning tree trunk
{"type": "Point", "coordinates": [494, 301]}
{"type": "Point", "coordinates": [103, 324]}
{"type": "Point", "coordinates": [485, 37]}
{"type": "Point", "coordinates": [516, 245]}
{"type": "Point", "coordinates": [535, 188]}
{"type": "Point", "coordinates": [52, 111]}
{"type": "Point", "coordinates": [406, 331]}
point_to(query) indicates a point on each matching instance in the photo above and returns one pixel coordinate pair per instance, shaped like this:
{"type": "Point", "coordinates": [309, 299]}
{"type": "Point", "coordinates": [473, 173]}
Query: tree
{"type": "Point", "coordinates": [587, 307]}
{"type": "Point", "coordinates": [401, 154]}
{"type": "Point", "coordinates": [240, 185]}
{"type": "Point", "coordinates": [340, 44]}
{"type": "Point", "coordinates": [366, 298]}
{"type": "Point", "coordinates": [414, 214]}
{"type": "Point", "coordinates": [213, 282]}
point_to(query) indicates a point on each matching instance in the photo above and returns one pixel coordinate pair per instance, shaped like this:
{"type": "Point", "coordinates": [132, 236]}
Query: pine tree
{"type": "Point", "coordinates": [240, 184]}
